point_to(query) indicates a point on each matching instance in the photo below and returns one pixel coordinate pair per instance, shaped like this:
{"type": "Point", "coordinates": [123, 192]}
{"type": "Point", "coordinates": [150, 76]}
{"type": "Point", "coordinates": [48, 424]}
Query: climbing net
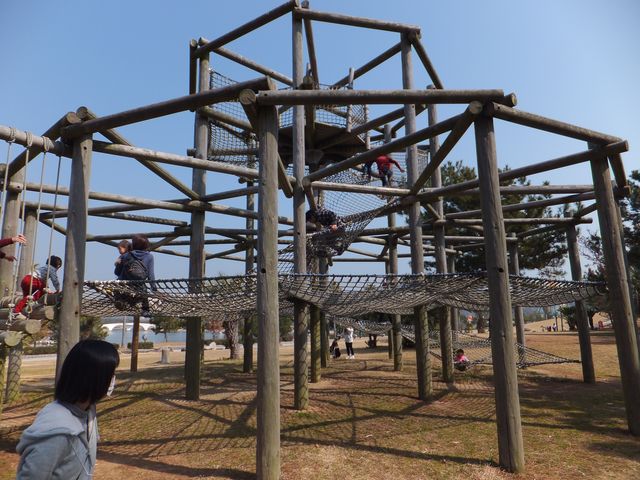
{"type": "Point", "coordinates": [340, 295]}
{"type": "Point", "coordinates": [477, 349]}
{"type": "Point", "coordinates": [231, 141]}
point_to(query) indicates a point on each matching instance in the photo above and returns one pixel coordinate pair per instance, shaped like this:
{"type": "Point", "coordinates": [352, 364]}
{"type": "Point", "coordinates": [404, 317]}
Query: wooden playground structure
{"type": "Point", "coordinates": [308, 141]}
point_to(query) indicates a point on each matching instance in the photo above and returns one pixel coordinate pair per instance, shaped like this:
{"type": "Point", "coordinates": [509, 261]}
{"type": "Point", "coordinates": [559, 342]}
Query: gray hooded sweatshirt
{"type": "Point", "coordinates": [60, 444]}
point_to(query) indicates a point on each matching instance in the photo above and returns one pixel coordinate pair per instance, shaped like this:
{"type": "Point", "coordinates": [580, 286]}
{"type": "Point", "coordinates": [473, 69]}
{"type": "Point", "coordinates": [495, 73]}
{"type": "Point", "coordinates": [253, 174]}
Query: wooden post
{"type": "Point", "coordinates": [14, 365]}
{"type": "Point", "coordinates": [514, 269]}
{"type": "Point", "coordinates": [10, 226]}
{"type": "Point", "coordinates": [3, 361]}
{"type": "Point", "coordinates": [194, 343]}
{"type": "Point", "coordinates": [510, 445]}
{"type": "Point", "coordinates": [582, 320]}
{"type": "Point", "coordinates": [314, 325]}
{"type": "Point", "coordinates": [451, 268]}
{"type": "Point", "coordinates": [300, 310]}
{"type": "Point", "coordinates": [135, 342]}
{"type": "Point", "coordinates": [249, 259]}
{"type": "Point", "coordinates": [617, 282]}
{"type": "Point", "coordinates": [268, 402]}
{"type": "Point", "coordinates": [446, 348]}
{"type": "Point", "coordinates": [423, 362]}
{"type": "Point", "coordinates": [396, 320]}
{"type": "Point", "coordinates": [74, 252]}
{"type": "Point", "coordinates": [26, 258]}
{"type": "Point", "coordinates": [324, 325]}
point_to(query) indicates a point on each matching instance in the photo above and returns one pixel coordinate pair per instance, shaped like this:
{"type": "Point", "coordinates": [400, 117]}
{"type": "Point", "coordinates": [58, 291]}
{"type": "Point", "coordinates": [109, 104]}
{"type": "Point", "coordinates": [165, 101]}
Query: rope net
{"type": "Point", "coordinates": [339, 295]}
{"type": "Point", "coordinates": [477, 349]}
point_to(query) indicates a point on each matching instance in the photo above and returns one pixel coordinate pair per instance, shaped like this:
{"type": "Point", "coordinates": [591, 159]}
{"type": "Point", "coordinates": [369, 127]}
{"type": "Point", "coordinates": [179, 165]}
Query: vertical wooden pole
{"type": "Point", "coordinates": [300, 310]}
{"type": "Point", "coordinates": [446, 348]}
{"type": "Point", "coordinates": [393, 270]}
{"type": "Point", "coordinates": [135, 343]}
{"type": "Point", "coordinates": [249, 260]}
{"type": "Point", "coordinates": [74, 252]}
{"type": "Point", "coordinates": [451, 268]}
{"type": "Point", "coordinates": [617, 282]}
{"type": "Point", "coordinates": [14, 365]}
{"type": "Point", "coordinates": [26, 257]}
{"type": "Point", "coordinates": [423, 362]}
{"type": "Point", "coordinates": [3, 361]}
{"type": "Point", "coordinates": [10, 226]}
{"type": "Point", "coordinates": [582, 320]}
{"type": "Point", "coordinates": [510, 446]}
{"type": "Point", "coordinates": [324, 326]}
{"type": "Point", "coordinates": [314, 325]}
{"type": "Point", "coordinates": [194, 343]}
{"type": "Point", "coordinates": [514, 269]}
{"type": "Point", "coordinates": [268, 407]}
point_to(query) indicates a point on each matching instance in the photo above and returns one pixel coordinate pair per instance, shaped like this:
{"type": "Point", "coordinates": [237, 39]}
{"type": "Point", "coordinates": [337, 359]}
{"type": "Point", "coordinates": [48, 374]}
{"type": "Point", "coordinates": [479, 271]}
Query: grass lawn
{"type": "Point", "coordinates": [364, 421]}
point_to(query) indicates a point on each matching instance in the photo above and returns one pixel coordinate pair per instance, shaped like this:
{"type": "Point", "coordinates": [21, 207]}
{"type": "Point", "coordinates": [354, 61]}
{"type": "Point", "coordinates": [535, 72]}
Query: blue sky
{"type": "Point", "coordinates": [575, 60]}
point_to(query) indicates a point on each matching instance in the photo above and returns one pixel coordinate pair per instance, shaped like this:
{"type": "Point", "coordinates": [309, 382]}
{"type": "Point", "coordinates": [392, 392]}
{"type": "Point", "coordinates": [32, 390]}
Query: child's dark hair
{"type": "Point", "coordinates": [86, 372]}
{"type": "Point", "coordinates": [55, 262]}
{"type": "Point", "coordinates": [126, 244]}
{"type": "Point", "coordinates": [459, 351]}
{"type": "Point", "coordinates": [139, 242]}
{"type": "Point", "coordinates": [311, 216]}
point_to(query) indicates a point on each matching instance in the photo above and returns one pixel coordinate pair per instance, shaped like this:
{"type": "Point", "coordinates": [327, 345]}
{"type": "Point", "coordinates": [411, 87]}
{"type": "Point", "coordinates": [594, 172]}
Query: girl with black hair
{"type": "Point", "coordinates": [62, 441]}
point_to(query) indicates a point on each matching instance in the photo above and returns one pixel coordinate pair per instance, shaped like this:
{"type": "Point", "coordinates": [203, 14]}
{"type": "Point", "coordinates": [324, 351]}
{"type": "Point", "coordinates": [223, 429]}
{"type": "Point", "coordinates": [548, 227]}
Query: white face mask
{"type": "Point", "coordinates": [112, 385]}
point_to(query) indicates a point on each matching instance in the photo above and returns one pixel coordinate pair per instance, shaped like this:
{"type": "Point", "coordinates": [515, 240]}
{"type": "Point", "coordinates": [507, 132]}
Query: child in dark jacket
{"type": "Point", "coordinates": [138, 265]}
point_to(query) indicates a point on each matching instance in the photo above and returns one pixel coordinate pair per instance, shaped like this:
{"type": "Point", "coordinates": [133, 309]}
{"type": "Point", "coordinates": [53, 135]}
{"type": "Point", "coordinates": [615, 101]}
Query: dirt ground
{"type": "Point", "coordinates": [364, 420]}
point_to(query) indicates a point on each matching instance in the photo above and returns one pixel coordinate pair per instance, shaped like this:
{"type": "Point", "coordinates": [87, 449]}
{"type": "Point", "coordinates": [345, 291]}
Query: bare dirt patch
{"type": "Point", "coordinates": [364, 422]}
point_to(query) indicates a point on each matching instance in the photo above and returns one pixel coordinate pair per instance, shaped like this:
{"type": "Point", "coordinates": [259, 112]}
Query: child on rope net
{"type": "Point", "coordinates": [62, 440]}
{"type": "Point", "coordinates": [334, 349]}
{"type": "Point", "coordinates": [385, 169]}
{"type": "Point", "coordinates": [330, 240]}
{"type": "Point", "coordinates": [136, 264]}
{"type": "Point", "coordinates": [460, 360]}
{"type": "Point", "coordinates": [34, 285]}
{"type": "Point", "coordinates": [123, 247]}
{"type": "Point", "coordinates": [8, 241]}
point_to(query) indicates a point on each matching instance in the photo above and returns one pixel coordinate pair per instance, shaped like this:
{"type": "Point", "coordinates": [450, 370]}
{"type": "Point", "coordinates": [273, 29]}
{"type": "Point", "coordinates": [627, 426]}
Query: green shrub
{"type": "Point", "coordinates": [41, 350]}
{"type": "Point", "coordinates": [141, 345]}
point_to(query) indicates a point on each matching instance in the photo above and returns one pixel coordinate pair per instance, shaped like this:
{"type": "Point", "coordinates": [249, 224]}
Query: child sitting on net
{"type": "Point", "coordinates": [460, 361]}
{"type": "Point", "coordinates": [330, 238]}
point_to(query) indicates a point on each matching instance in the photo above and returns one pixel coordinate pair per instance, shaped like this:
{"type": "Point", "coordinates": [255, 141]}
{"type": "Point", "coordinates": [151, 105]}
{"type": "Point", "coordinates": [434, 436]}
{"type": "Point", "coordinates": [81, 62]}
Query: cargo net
{"type": "Point", "coordinates": [476, 349]}
{"type": "Point", "coordinates": [340, 295]}
{"type": "Point", "coordinates": [232, 139]}
{"type": "Point", "coordinates": [341, 116]}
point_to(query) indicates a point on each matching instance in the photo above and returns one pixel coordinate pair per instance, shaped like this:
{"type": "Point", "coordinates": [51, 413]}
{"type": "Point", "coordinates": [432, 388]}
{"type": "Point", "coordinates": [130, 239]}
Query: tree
{"type": "Point", "coordinates": [165, 324]}
{"type": "Point", "coordinates": [539, 252]}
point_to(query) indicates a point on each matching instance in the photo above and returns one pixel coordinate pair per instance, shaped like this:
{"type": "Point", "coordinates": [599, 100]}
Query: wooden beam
{"type": "Point", "coordinates": [244, 29]}
{"type": "Point", "coordinates": [361, 97]}
{"type": "Point", "coordinates": [301, 13]}
{"type": "Point", "coordinates": [370, 65]}
{"type": "Point", "coordinates": [269, 72]}
{"type": "Point", "coordinates": [456, 134]}
{"type": "Point", "coordinates": [113, 136]}
{"type": "Point", "coordinates": [426, 61]}
{"type": "Point", "coordinates": [161, 109]}
{"type": "Point", "coordinates": [51, 133]}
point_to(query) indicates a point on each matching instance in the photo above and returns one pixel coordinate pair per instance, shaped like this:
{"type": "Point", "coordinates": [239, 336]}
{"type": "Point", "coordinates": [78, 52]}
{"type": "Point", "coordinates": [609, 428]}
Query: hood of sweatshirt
{"type": "Point", "coordinates": [140, 254]}
{"type": "Point", "coordinates": [53, 419]}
